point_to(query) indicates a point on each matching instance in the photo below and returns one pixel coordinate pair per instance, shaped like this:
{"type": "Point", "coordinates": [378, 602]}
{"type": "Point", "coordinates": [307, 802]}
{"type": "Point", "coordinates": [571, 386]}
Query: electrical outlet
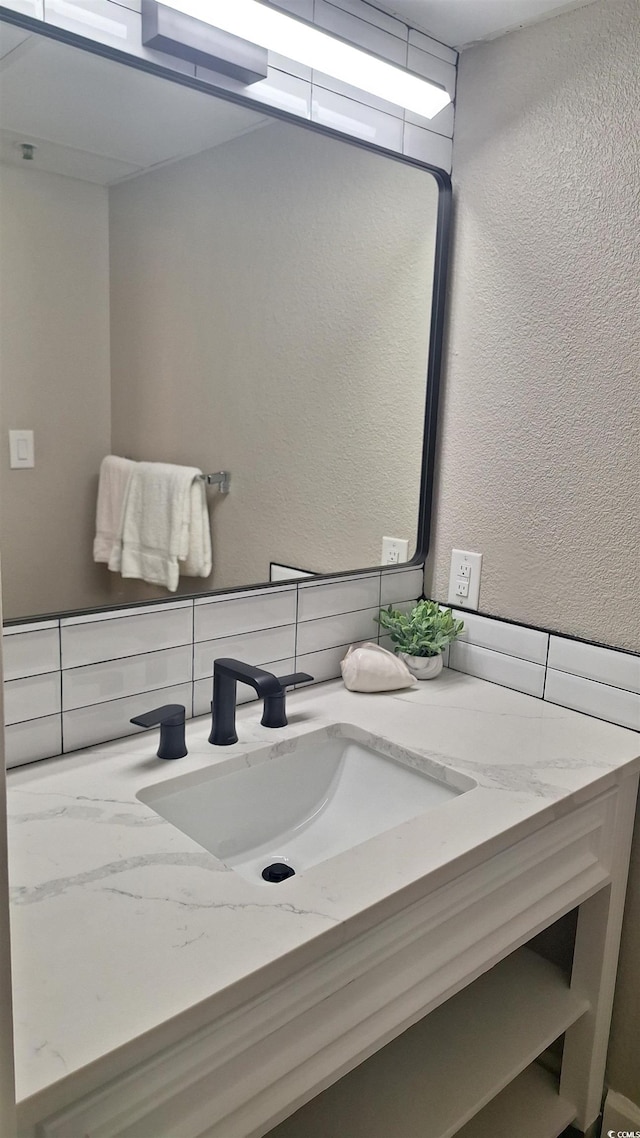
{"type": "Point", "coordinates": [394, 550]}
{"type": "Point", "coordinates": [464, 579]}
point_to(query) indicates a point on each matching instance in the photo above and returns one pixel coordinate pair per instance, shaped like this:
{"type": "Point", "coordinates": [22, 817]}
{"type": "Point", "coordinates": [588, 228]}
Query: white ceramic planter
{"type": "Point", "coordinates": [423, 667]}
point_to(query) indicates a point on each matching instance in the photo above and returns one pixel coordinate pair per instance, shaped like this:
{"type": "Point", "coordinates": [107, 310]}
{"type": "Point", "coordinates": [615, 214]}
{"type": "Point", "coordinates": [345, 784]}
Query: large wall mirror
{"type": "Point", "coordinates": [186, 279]}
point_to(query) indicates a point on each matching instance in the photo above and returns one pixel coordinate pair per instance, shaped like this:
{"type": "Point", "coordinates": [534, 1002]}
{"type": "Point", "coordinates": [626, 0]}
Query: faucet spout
{"type": "Point", "coordinates": [271, 689]}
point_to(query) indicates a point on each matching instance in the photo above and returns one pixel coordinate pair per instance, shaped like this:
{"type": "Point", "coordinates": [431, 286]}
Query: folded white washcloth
{"type": "Point", "coordinates": [115, 473]}
{"type": "Point", "coordinates": [157, 524]}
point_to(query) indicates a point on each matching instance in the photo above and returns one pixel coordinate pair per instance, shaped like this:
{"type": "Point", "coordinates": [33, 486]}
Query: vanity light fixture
{"type": "Point", "coordinates": [269, 28]}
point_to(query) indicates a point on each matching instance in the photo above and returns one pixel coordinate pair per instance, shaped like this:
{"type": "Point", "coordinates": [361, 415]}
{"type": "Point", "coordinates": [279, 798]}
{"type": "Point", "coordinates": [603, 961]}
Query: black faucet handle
{"type": "Point", "coordinates": [171, 720]}
{"type": "Point", "coordinates": [275, 714]}
{"type": "Point", "coordinates": [295, 678]}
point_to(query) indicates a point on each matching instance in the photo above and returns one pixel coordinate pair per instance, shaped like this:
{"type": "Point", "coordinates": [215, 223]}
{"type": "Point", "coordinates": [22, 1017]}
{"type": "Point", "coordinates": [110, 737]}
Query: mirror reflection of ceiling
{"type": "Point", "coordinates": [188, 280]}
{"type": "Point", "coordinates": [95, 137]}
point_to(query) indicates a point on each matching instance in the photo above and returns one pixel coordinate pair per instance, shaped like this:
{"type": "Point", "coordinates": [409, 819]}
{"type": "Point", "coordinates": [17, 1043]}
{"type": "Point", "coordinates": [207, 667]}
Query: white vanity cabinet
{"type": "Point", "coordinates": [420, 1011]}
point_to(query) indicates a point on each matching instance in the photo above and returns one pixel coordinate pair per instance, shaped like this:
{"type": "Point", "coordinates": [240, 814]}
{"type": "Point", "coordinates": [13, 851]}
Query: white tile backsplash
{"type": "Point", "coordinates": [336, 597]}
{"type": "Point", "coordinates": [323, 665]}
{"type": "Point", "coordinates": [619, 669]}
{"type": "Point", "coordinates": [601, 700]}
{"type": "Point", "coordinates": [103, 689]}
{"type": "Point", "coordinates": [92, 642]}
{"type": "Point", "coordinates": [31, 698]}
{"type": "Point", "coordinates": [35, 739]}
{"type": "Point", "coordinates": [247, 613]}
{"type": "Point", "coordinates": [100, 722]}
{"type": "Point", "coordinates": [509, 671]}
{"type": "Point", "coordinates": [114, 679]}
{"type": "Point", "coordinates": [31, 653]}
{"type": "Point", "coordinates": [512, 639]}
{"type": "Point", "coordinates": [331, 631]}
{"type": "Point", "coordinates": [401, 585]}
{"type": "Point", "coordinates": [250, 647]}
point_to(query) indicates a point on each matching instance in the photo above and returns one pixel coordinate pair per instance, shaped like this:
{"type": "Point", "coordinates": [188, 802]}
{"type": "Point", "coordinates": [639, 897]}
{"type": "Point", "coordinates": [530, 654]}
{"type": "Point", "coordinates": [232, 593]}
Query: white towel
{"type": "Point", "coordinates": [115, 473]}
{"type": "Point", "coordinates": [158, 525]}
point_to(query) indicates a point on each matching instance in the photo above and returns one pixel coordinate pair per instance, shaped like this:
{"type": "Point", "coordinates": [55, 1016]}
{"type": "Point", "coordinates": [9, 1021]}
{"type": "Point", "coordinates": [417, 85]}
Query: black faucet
{"type": "Point", "coordinates": [171, 719]}
{"type": "Point", "coordinates": [270, 688]}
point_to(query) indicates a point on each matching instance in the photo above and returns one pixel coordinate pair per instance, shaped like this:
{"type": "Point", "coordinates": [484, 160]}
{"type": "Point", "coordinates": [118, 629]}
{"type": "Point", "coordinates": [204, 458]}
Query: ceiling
{"type": "Point", "coordinates": [75, 108]}
{"type": "Point", "coordinates": [459, 23]}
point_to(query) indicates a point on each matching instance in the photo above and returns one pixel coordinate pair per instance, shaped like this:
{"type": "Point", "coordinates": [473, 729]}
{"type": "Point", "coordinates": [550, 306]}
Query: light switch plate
{"type": "Point", "coordinates": [21, 450]}
{"type": "Point", "coordinates": [465, 570]}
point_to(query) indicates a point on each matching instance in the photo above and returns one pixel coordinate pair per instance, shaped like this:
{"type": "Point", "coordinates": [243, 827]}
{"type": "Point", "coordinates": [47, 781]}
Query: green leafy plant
{"type": "Point", "coordinates": [425, 631]}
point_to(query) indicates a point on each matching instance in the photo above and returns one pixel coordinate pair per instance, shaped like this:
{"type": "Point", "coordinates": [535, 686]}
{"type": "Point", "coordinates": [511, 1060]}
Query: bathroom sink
{"type": "Point", "coordinates": [303, 800]}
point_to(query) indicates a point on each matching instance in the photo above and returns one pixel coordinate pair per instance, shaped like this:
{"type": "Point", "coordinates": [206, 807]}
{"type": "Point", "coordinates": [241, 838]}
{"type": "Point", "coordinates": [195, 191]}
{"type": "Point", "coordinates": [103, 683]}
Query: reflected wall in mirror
{"type": "Point", "coordinates": [188, 280]}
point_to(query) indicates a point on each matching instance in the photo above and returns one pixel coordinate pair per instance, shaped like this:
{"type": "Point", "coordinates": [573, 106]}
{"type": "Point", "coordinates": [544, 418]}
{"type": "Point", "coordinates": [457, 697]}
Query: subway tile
{"type": "Point", "coordinates": [332, 631]}
{"type": "Point", "coordinates": [114, 679]}
{"type": "Point", "coordinates": [34, 8]}
{"type": "Point", "coordinates": [600, 700]}
{"type": "Point", "coordinates": [430, 67]}
{"type": "Point", "coordinates": [31, 698]}
{"type": "Point", "coordinates": [335, 597]}
{"type": "Point", "coordinates": [427, 146]}
{"type": "Point", "coordinates": [288, 66]}
{"type": "Point", "coordinates": [280, 89]}
{"type": "Point", "coordinates": [202, 689]}
{"type": "Point", "coordinates": [373, 15]}
{"type": "Point", "coordinates": [247, 613]}
{"type": "Point", "coordinates": [509, 671]}
{"type": "Point", "coordinates": [301, 8]}
{"type": "Point", "coordinates": [442, 123]}
{"type": "Point", "coordinates": [361, 33]}
{"type": "Point", "coordinates": [433, 47]}
{"type": "Point", "coordinates": [511, 639]}
{"type": "Point", "coordinates": [250, 647]}
{"type": "Point", "coordinates": [121, 613]}
{"type": "Point", "coordinates": [401, 585]}
{"type": "Point", "coordinates": [619, 669]}
{"type": "Point", "coordinates": [31, 653]}
{"type": "Point", "coordinates": [91, 643]}
{"type": "Point", "coordinates": [29, 626]}
{"type": "Point", "coordinates": [35, 739]}
{"type": "Point", "coordinates": [357, 94]}
{"type": "Point", "coordinates": [100, 722]}
{"type": "Point", "coordinates": [354, 118]}
{"type": "Point", "coordinates": [323, 665]}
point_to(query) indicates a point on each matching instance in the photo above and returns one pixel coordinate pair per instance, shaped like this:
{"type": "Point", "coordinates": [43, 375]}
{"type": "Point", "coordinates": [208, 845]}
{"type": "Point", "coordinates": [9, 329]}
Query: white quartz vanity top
{"type": "Point", "coordinates": [123, 926]}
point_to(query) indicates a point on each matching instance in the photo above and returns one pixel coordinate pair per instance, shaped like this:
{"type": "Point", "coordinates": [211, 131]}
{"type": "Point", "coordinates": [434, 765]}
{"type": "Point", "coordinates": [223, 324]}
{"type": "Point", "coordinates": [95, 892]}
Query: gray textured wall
{"type": "Point", "coordinates": [539, 464]}
{"type": "Point", "coordinates": [540, 430]}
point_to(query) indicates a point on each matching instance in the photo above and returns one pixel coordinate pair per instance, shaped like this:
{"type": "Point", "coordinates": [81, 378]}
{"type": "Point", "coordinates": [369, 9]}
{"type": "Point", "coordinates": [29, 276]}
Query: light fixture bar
{"type": "Point", "coordinates": [276, 31]}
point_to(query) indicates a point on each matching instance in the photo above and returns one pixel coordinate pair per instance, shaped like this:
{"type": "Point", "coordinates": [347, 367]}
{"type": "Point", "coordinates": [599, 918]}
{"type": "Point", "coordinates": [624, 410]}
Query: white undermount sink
{"type": "Point", "coordinates": [303, 800]}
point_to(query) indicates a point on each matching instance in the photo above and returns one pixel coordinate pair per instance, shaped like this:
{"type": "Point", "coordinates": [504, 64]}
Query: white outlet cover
{"type": "Point", "coordinates": [468, 566]}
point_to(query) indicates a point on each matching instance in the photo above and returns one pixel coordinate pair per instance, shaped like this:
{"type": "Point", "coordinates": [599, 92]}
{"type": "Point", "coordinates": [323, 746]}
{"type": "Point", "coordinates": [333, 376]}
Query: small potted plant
{"type": "Point", "coordinates": [420, 636]}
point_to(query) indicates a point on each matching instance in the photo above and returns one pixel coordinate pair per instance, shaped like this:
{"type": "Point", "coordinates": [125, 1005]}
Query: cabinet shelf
{"type": "Point", "coordinates": [439, 1074]}
{"type": "Point", "coordinates": [529, 1107]}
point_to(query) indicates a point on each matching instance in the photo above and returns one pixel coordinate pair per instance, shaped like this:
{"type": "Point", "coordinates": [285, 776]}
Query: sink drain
{"type": "Point", "coordinates": [277, 871]}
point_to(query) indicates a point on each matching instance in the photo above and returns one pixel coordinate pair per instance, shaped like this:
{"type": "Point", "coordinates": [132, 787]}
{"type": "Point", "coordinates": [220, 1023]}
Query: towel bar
{"type": "Point", "coordinates": [222, 480]}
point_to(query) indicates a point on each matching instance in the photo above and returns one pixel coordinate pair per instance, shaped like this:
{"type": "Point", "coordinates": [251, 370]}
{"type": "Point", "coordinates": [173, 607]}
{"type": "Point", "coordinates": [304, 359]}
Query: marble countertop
{"type": "Point", "coordinates": [127, 935]}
